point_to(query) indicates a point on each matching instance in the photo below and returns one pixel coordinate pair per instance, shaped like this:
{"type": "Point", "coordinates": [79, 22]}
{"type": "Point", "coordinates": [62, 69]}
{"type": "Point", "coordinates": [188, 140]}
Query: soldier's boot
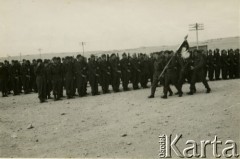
{"type": "Point", "coordinates": [164, 96]}
{"type": "Point", "coordinates": [206, 86]}
{"type": "Point", "coordinates": [42, 100]}
{"type": "Point", "coordinates": [208, 90]}
{"type": "Point", "coordinates": [180, 94]}
{"type": "Point", "coordinates": [151, 96]}
{"type": "Point", "coordinates": [59, 97]}
{"type": "Point", "coordinates": [190, 93]}
{"type": "Point", "coordinates": [170, 93]}
{"type": "Point", "coordinates": [153, 89]}
{"type": "Point", "coordinates": [55, 97]}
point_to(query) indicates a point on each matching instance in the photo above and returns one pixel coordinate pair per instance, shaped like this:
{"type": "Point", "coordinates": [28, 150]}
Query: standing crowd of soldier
{"type": "Point", "coordinates": [73, 74]}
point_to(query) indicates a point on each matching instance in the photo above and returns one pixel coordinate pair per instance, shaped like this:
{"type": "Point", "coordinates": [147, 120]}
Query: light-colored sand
{"type": "Point", "coordinates": [93, 126]}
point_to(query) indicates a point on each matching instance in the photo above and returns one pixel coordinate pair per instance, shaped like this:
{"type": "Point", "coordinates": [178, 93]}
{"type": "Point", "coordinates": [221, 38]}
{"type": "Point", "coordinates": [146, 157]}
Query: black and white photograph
{"type": "Point", "coordinates": [119, 78]}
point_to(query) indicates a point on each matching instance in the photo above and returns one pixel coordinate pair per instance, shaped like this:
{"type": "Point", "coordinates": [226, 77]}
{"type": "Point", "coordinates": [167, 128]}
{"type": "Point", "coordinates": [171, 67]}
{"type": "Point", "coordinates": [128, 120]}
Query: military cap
{"type": "Point", "coordinates": [39, 60]}
{"type": "Point", "coordinates": [113, 55]}
{"type": "Point", "coordinates": [78, 56]}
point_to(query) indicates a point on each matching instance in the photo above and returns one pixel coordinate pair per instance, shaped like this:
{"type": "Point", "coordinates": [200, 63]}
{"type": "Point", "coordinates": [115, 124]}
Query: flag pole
{"type": "Point", "coordinates": [171, 58]}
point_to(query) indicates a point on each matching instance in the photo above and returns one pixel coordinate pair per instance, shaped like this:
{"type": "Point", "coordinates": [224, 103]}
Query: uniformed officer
{"type": "Point", "coordinates": [135, 71]}
{"type": "Point", "coordinates": [25, 76]}
{"type": "Point", "coordinates": [68, 69]}
{"type": "Point", "coordinates": [41, 80]}
{"type": "Point", "coordinates": [231, 64]}
{"type": "Point", "coordinates": [115, 72]}
{"type": "Point", "coordinates": [33, 84]}
{"type": "Point", "coordinates": [93, 74]}
{"type": "Point", "coordinates": [15, 74]}
{"type": "Point", "coordinates": [56, 73]}
{"type": "Point", "coordinates": [217, 64]}
{"type": "Point", "coordinates": [105, 74]}
{"type": "Point", "coordinates": [158, 67]}
{"type": "Point", "coordinates": [48, 65]}
{"type": "Point", "coordinates": [210, 64]}
{"type": "Point", "coordinates": [224, 64]}
{"type": "Point", "coordinates": [236, 63]}
{"type": "Point", "coordinates": [171, 74]}
{"type": "Point", "coordinates": [144, 67]}
{"type": "Point", "coordinates": [198, 72]}
{"type": "Point", "coordinates": [125, 70]}
{"type": "Point", "coordinates": [4, 75]}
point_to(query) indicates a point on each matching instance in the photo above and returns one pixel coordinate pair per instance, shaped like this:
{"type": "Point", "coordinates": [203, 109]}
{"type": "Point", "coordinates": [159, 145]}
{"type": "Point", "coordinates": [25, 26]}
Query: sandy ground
{"type": "Point", "coordinates": [94, 126]}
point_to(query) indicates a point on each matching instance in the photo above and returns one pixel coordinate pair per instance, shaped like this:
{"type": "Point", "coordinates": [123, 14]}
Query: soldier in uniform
{"type": "Point", "coordinates": [77, 69]}
{"type": "Point", "coordinates": [217, 64]}
{"type": "Point", "coordinates": [198, 72]}
{"type": "Point", "coordinates": [9, 82]}
{"type": "Point", "coordinates": [151, 67]}
{"type": "Point", "coordinates": [84, 75]}
{"type": "Point", "coordinates": [183, 70]}
{"type": "Point", "coordinates": [231, 64]}
{"type": "Point", "coordinates": [135, 63]}
{"type": "Point", "coordinates": [205, 67]}
{"type": "Point", "coordinates": [158, 68]}
{"type": "Point", "coordinates": [125, 70]}
{"type": "Point", "coordinates": [25, 75]}
{"type": "Point", "coordinates": [171, 74]}
{"type": "Point", "coordinates": [48, 65]}
{"type": "Point", "coordinates": [236, 63]}
{"type": "Point", "coordinates": [20, 84]}
{"type": "Point", "coordinates": [33, 84]}
{"type": "Point", "coordinates": [68, 69]}
{"type": "Point", "coordinates": [105, 74]}
{"type": "Point", "coordinates": [56, 73]}
{"type": "Point", "coordinates": [144, 67]}
{"type": "Point", "coordinates": [41, 80]}
{"type": "Point", "coordinates": [210, 65]}
{"type": "Point", "coordinates": [225, 64]}
{"type": "Point", "coordinates": [93, 74]}
{"type": "Point", "coordinates": [15, 74]}
{"type": "Point", "coordinates": [62, 79]}
{"type": "Point", "coordinates": [4, 75]}
{"type": "Point", "coordinates": [115, 72]}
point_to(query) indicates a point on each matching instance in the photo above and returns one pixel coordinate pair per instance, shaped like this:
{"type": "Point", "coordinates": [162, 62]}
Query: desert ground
{"type": "Point", "coordinates": [125, 124]}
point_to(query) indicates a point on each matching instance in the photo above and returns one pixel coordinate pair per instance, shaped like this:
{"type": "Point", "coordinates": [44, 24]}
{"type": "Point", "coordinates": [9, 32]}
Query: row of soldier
{"type": "Point", "coordinates": [224, 65]}
{"type": "Point", "coordinates": [73, 74]}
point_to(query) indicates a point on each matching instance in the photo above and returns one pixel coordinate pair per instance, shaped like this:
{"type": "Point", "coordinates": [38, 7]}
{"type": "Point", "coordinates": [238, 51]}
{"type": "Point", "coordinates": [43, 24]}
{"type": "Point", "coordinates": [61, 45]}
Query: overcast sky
{"type": "Point", "coordinates": [59, 25]}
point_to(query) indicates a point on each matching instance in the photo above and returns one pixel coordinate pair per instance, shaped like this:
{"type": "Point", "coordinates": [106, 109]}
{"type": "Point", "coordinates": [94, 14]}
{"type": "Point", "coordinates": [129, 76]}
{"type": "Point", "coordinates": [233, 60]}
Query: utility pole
{"type": "Point", "coordinates": [83, 43]}
{"type": "Point", "coordinates": [196, 27]}
{"type": "Point", "coordinates": [40, 53]}
{"type": "Point", "coordinates": [8, 57]}
{"type": "Point", "coordinates": [20, 56]}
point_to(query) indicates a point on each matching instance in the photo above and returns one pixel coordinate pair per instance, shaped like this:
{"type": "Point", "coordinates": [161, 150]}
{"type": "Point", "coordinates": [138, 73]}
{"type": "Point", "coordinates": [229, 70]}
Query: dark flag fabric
{"type": "Point", "coordinates": [183, 49]}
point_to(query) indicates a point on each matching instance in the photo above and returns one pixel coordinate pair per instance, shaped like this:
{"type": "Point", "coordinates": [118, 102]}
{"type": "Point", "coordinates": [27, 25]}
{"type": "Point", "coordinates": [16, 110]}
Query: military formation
{"type": "Point", "coordinates": [165, 68]}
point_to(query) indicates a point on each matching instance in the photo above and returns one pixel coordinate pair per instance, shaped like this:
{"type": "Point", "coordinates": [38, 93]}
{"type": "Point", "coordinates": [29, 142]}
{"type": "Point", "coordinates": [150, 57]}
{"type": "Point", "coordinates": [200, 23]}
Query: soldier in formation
{"type": "Point", "coordinates": [51, 77]}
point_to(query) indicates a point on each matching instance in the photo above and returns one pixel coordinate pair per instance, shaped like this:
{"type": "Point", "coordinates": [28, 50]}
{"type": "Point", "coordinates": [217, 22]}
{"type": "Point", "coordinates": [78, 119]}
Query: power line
{"type": "Point", "coordinates": [83, 43]}
{"type": "Point", "coordinates": [196, 27]}
{"type": "Point", "coordinates": [40, 52]}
